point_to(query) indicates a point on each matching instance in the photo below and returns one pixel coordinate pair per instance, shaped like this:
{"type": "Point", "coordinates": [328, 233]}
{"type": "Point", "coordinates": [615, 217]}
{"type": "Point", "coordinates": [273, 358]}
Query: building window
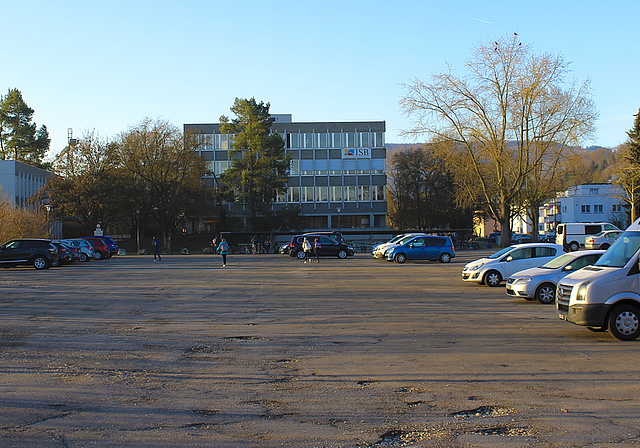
{"type": "Point", "coordinates": [294, 140]}
{"type": "Point", "coordinates": [617, 207]}
{"type": "Point", "coordinates": [294, 167]}
{"type": "Point", "coordinates": [321, 140]}
{"type": "Point", "coordinates": [336, 194]}
{"type": "Point", "coordinates": [307, 140]}
{"type": "Point", "coordinates": [378, 141]}
{"type": "Point", "coordinates": [349, 140]}
{"type": "Point", "coordinates": [221, 141]}
{"type": "Point", "coordinates": [306, 194]}
{"type": "Point", "coordinates": [350, 194]}
{"type": "Point", "coordinates": [593, 191]}
{"type": "Point", "coordinates": [336, 140]}
{"type": "Point", "coordinates": [364, 193]}
{"type": "Point", "coordinates": [378, 192]}
{"type": "Point", "coordinates": [597, 209]}
{"type": "Point", "coordinates": [586, 209]}
{"type": "Point", "coordinates": [281, 197]}
{"type": "Point", "coordinates": [294, 194]}
{"type": "Point", "coordinates": [363, 140]}
{"type": "Point", "coordinates": [220, 166]}
{"type": "Point", "coordinates": [322, 194]}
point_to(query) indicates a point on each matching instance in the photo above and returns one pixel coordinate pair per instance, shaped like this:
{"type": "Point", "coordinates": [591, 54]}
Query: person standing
{"type": "Point", "coordinates": [316, 249]}
{"type": "Point", "coordinates": [223, 248]}
{"type": "Point", "coordinates": [216, 242]}
{"type": "Point", "coordinates": [306, 247]}
{"type": "Point", "coordinates": [156, 248]}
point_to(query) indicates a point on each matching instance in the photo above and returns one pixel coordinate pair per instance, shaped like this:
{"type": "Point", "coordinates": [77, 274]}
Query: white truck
{"type": "Point", "coordinates": [606, 296]}
{"type": "Point", "coordinates": [572, 235]}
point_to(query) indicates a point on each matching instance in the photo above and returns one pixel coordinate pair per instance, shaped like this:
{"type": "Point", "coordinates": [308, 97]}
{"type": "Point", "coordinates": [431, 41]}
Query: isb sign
{"type": "Point", "coordinates": [356, 153]}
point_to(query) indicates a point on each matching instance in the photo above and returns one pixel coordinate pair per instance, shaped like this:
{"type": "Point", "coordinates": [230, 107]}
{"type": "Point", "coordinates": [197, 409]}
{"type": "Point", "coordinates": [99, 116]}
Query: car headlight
{"type": "Point", "coordinates": [522, 280]}
{"type": "Point", "coordinates": [581, 295]}
{"type": "Point", "coordinates": [350, 248]}
{"type": "Point", "coordinates": [476, 267]}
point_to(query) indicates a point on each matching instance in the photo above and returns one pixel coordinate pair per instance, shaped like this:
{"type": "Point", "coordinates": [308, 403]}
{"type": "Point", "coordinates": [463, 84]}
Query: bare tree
{"type": "Point", "coordinates": [508, 119]}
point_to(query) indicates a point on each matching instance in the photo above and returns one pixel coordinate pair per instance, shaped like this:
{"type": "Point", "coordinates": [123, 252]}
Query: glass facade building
{"type": "Point", "coordinates": [337, 172]}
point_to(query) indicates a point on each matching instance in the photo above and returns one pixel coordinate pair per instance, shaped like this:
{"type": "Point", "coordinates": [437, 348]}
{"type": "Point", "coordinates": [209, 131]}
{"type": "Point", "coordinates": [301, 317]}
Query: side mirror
{"type": "Point", "coordinates": [411, 246]}
{"type": "Point", "coordinates": [509, 258]}
{"type": "Point", "coordinates": [568, 268]}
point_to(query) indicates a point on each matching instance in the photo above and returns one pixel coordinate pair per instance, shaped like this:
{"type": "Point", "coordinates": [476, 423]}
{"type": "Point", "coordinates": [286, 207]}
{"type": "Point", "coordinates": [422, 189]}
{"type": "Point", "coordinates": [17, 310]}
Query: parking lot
{"type": "Point", "coordinates": [272, 352]}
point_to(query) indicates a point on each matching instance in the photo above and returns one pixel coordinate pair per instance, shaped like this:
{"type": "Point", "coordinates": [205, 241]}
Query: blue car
{"type": "Point", "coordinates": [426, 247]}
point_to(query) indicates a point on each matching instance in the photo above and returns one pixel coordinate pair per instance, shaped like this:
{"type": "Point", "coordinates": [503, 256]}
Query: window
{"type": "Point", "coordinates": [220, 166]}
{"type": "Point", "coordinates": [521, 254]}
{"type": "Point", "coordinates": [545, 251]}
{"type": "Point", "coordinates": [336, 194]}
{"type": "Point", "coordinates": [364, 193]}
{"type": "Point", "coordinates": [321, 140]}
{"type": "Point", "coordinates": [593, 191]}
{"type": "Point", "coordinates": [617, 207]}
{"type": "Point", "coordinates": [350, 194]}
{"type": "Point", "coordinates": [294, 140]}
{"type": "Point", "coordinates": [336, 140]}
{"type": "Point", "coordinates": [378, 192]}
{"type": "Point", "coordinates": [294, 194]}
{"type": "Point", "coordinates": [306, 194]}
{"type": "Point", "coordinates": [378, 141]}
{"type": "Point", "coordinates": [281, 197]}
{"type": "Point", "coordinates": [307, 140]}
{"type": "Point", "coordinates": [221, 141]}
{"type": "Point", "coordinates": [597, 209]}
{"type": "Point", "coordinates": [363, 140]}
{"type": "Point", "coordinates": [294, 167]}
{"type": "Point", "coordinates": [349, 140]}
{"type": "Point", "coordinates": [586, 209]}
{"type": "Point", "coordinates": [322, 194]}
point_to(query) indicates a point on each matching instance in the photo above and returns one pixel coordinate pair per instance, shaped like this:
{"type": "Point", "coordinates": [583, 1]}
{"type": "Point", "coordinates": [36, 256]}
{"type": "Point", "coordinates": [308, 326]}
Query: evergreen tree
{"type": "Point", "coordinates": [259, 164]}
{"type": "Point", "coordinates": [19, 138]}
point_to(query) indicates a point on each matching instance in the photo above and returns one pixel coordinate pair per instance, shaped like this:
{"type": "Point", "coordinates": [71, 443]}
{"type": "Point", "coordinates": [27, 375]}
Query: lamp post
{"type": "Point", "coordinates": [48, 207]}
{"type": "Point", "coordinates": [138, 231]}
{"type": "Point", "coordinates": [338, 210]}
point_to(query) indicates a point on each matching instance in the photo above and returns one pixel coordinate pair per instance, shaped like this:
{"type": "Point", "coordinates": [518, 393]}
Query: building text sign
{"type": "Point", "coordinates": [356, 153]}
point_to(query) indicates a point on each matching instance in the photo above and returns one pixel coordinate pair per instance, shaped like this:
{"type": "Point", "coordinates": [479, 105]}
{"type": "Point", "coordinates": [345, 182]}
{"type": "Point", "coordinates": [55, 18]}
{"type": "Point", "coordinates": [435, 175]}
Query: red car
{"type": "Point", "coordinates": [99, 246]}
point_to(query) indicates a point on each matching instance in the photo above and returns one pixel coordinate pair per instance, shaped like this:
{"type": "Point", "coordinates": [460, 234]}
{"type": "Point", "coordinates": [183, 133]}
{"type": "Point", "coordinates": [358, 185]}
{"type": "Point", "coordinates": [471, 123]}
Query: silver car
{"type": "Point", "coordinates": [85, 247]}
{"type": "Point", "coordinates": [540, 283]}
{"type": "Point", "coordinates": [602, 240]}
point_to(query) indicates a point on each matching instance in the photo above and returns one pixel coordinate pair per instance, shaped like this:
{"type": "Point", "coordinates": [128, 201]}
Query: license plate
{"type": "Point", "coordinates": [562, 316]}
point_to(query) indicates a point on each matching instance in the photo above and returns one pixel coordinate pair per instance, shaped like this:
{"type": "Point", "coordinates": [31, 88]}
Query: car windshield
{"type": "Point", "coordinates": [621, 250]}
{"type": "Point", "coordinates": [558, 262]}
{"type": "Point", "coordinates": [601, 233]}
{"type": "Point", "coordinates": [500, 253]}
{"type": "Point", "coordinates": [405, 240]}
{"type": "Point", "coordinates": [396, 238]}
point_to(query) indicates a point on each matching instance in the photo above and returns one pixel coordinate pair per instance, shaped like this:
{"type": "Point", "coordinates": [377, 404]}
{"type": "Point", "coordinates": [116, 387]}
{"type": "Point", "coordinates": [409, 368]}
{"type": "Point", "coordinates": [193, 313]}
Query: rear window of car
{"type": "Point", "coordinates": [545, 251]}
{"type": "Point", "coordinates": [436, 241]}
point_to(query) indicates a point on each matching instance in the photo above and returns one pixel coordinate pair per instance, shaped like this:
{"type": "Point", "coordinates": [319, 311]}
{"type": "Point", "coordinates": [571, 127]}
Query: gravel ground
{"type": "Point", "coordinates": [271, 352]}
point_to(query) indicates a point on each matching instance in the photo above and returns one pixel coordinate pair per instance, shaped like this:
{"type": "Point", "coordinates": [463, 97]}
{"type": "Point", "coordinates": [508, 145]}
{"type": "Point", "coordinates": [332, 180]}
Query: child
{"type": "Point", "coordinates": [223, 248]}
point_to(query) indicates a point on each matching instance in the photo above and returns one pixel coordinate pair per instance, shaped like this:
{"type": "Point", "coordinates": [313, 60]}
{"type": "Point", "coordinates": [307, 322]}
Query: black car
{"type": "Point", "coordinates": [65, 254]}
{"type": "Point", "coordinates": [328, 246]}
{"type": "Point", "coordinates": [39, 253]}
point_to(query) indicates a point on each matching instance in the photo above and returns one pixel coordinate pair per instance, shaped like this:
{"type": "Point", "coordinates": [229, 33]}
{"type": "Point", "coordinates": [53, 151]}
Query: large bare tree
{"type": "Point", "coordinates": [510, 117]}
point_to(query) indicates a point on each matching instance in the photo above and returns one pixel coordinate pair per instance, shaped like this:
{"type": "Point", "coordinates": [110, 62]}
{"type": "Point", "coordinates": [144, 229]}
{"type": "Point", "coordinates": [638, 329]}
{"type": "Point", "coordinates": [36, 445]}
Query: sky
{"type": "Point", "coordinates": [105, 66]}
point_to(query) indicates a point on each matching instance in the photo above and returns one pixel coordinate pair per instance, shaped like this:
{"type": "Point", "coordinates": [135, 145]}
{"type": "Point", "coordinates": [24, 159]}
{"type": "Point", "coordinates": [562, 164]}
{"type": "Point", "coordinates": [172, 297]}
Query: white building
{"type": "Point", "coordinates": [20, 181]}
{"type": "Point", "coordinates": [585, 203]}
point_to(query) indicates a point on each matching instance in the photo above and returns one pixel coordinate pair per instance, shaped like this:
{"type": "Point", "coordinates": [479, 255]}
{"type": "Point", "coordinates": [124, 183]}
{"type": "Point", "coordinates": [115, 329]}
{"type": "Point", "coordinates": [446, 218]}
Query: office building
{"type": "Point", "coordinates": [337, 172]}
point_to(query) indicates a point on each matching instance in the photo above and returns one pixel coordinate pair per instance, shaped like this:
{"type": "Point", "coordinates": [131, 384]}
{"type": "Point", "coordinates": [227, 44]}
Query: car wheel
{"type": "Point", "coordinates": [400, 258]}
{"type": "Point", "coordinates": [40, 262]}
{"type": "Point", "coordinates": [624, 323]}
{"type": "Point", "coordinates": [83, 257]}
{"type": "Point", "coordinates": [445, 258]}
{"type": "Point", "coordinates": [605, 246]}
{"type": "Point", "coordinates": [300, 255]}
{"type": "Point", "coordinates": [574, 246]}
{"type": "Point", "coordinates": [546, 293]}
{"type": "Point", "coordinates": [97, 256]}
{"type": "Point", "coordinates": [493, 278]}
{"type": "Point", "coordinates": [342, 254]}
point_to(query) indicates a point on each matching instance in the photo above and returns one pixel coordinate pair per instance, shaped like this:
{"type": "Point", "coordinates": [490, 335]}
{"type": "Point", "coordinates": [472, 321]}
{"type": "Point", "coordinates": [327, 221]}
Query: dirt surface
{"type": "Point", "coordinates": [271, 352]}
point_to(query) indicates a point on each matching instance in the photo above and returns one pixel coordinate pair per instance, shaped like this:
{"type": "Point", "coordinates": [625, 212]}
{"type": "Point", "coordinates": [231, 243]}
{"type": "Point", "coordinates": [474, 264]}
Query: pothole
{"type": "Point", "coordinates": [484, 411]}
{"type": "Point", "coordinates": [399, 438]}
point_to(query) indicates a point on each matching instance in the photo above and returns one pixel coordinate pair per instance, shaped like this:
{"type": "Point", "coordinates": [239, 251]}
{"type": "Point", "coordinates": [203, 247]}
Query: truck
{"type": "Point", "coordinates": [572, 235]}
{"type": "Point", "coordinates": [606, 296]}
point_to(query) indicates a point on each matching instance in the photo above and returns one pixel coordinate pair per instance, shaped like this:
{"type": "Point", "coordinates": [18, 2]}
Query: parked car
{"type": "Point", "coordinates": [284, 249]}
{"type": "Point", "coordinates": [111, 244]}
{"type": "Point", "coordinates": [40, 253]}
{"type": "Point", "coordinates": [85, 248]}
{"type": "Point", "coordinates": [328, 246]}
{"type": "Point", "coordinates": [379, 250]}
{"type": "Point", "coordinates": [99, 246]}
{"type": "Point", "coordinates": [573, 235]}
{"type": "Point", "coordinates": [540, 283]}
{"type": "Point", "coordinates": [64, 254]}
{"type": "Point", "coordinates": [501, 265]}
{"type": "Point", "coordinates": [423, 247]}
{"type": "Point", "coordinates": [602, 240]}
{"type": "Point", "coordinates": [521, 238]}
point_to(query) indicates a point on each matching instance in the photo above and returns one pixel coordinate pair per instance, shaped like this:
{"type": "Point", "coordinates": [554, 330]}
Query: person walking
{"type": "Point", "coordinates": [306, 247]}
{"type": "Point", "coordinates": [223, 248]}
{"type": "Point", "coordinates": [156, 248]}
{"type": "Point", "coordinates": [216, 242]}
{"type": "Point", "coordinates": [316, 249]}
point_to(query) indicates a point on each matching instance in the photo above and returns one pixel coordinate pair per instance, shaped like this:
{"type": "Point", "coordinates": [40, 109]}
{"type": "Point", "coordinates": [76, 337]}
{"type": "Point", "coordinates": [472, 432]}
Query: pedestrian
{"type": "Point", "coordinates": [306, 247]}
{"type": "Point", "coordinates": [215, 243]}
{"type": "Point", "coordinates": [255, 244]}
{"type": "Point", "coordinates": [223, 248]}
{"type": "Point", "coordinates": [316, 249]}
{"type": "Point", "coordinates": [156, 248]}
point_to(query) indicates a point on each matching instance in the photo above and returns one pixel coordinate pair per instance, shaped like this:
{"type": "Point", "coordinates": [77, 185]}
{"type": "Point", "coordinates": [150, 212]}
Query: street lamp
{"type": "Point", "coordinates": [48, 207]}
{"type": "Point", "coordinates": [338, 210]}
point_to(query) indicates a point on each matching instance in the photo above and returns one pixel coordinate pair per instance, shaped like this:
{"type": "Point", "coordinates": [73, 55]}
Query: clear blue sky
{"type": "Point", "coordinates": [106, 65]}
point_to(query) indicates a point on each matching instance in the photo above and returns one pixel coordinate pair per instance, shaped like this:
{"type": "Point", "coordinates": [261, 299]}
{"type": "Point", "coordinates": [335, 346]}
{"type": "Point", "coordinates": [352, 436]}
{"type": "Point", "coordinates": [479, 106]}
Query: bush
{"type": "Point", "coordinates": [21, 222]}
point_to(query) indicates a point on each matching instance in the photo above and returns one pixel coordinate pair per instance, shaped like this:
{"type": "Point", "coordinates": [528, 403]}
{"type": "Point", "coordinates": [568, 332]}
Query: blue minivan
{"type": "Point", "coordinates": [423, 247]}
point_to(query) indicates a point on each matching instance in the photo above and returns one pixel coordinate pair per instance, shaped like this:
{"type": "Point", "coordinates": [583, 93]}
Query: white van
{"type": "Point", "coordinates": [606, 296]}
{"type": "Point", "coordinates": [572, 235]}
